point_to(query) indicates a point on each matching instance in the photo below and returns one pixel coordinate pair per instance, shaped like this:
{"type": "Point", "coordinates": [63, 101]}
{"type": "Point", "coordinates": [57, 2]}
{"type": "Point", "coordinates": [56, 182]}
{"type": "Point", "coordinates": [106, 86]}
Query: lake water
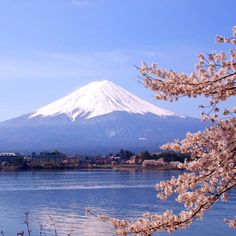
{"type": "Point", "coordinates": [64, 195]}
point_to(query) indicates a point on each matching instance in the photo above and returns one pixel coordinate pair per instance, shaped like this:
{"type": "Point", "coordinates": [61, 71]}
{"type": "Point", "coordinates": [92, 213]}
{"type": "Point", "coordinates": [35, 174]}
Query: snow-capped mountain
{"type": "Point", "coordinates": [99, 98]}
{"type": "Point", "coordinates": [97, 118]}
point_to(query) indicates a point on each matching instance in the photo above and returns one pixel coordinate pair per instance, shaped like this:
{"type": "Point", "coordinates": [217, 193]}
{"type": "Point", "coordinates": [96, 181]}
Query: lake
{"type": "Point", "coordinates": [64, 195]}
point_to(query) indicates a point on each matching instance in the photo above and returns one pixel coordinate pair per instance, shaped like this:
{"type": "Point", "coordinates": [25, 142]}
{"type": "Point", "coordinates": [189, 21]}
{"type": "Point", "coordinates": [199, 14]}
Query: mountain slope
{"type": "Point", "coordinates": [99, 98]}
{"type": "Point", "coordinates": [98, 118]}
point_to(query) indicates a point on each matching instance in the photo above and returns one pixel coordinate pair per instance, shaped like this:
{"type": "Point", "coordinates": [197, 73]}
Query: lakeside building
{"type": "Point", "coordinates": [47, 160]}
{"type": "Point", "coordinates": [11, 160]}
{"type": "Point", "coordinates": [8, 154]}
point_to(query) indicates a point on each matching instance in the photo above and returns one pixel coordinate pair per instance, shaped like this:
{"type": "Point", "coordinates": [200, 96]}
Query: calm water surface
{"type": "Point", "coordinates": [63, 195]}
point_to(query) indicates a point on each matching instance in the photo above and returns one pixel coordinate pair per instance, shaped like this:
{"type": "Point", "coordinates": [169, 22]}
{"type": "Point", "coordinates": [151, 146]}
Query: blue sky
{"type": "Point", "coordinates": [49, 48]}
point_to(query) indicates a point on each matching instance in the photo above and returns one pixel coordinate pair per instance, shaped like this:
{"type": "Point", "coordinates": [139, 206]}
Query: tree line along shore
{"type": "Point", "coordinates": [124, 159]}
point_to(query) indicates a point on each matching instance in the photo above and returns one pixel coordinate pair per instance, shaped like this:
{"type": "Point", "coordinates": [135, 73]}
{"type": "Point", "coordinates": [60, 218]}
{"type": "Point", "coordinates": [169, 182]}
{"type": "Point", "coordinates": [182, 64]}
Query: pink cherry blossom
{"type": "Point", "coordinates": [211, 173]}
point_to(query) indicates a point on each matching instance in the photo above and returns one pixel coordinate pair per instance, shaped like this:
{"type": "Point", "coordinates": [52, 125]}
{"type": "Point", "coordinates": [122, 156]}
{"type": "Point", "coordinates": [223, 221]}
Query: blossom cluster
{"type": "Point", "coordinates": [214, 78]}
{"type": "Point", "coordinates": [231, 223]}
{"type": "Point", "coordinates": [211, 172]}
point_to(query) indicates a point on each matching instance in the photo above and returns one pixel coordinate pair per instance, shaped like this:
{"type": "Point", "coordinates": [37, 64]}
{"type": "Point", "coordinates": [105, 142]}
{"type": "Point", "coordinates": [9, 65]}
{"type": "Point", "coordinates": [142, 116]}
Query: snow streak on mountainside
{"type": "Point", "coordinates": [99, 98]}
{"type": "Point", "coordinates": [100, 117]}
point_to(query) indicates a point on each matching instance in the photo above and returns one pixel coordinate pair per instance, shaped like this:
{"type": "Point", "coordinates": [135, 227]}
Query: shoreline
{"type": "Point", "coordinates": [97, 167]}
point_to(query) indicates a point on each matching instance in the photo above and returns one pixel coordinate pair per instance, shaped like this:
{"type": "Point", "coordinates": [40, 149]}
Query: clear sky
{"type": "Point", "coordinates": [49, 48]}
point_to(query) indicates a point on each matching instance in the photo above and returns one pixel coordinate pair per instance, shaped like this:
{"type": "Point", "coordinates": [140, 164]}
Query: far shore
{"type": "Point", "coordinates": [97, 167]}
{"type": "Point", "coordinates": [124, 160]}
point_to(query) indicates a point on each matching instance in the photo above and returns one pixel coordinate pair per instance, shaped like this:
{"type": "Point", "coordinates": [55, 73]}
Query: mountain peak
{"type": "Point", "coordinates": [99, 98]}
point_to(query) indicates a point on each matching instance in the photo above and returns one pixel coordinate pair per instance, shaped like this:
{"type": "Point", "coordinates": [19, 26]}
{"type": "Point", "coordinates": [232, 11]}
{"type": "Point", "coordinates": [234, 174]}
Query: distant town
{"type": "Point", "coordinates": [121, 160]}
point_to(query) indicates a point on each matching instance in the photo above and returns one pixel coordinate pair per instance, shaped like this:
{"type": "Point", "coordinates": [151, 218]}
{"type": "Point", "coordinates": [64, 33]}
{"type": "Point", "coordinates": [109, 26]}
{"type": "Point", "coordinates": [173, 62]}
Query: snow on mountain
{"type": "Point", "coordinates": [99, 98]}
{"type": "Point", "coordinates": [119, 120]}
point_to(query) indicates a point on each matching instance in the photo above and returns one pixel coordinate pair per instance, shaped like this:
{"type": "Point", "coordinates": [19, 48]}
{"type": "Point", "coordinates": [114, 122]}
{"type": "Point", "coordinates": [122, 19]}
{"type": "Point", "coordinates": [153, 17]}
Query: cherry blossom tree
{"type": "Point", "coordinates": [211, 173]}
